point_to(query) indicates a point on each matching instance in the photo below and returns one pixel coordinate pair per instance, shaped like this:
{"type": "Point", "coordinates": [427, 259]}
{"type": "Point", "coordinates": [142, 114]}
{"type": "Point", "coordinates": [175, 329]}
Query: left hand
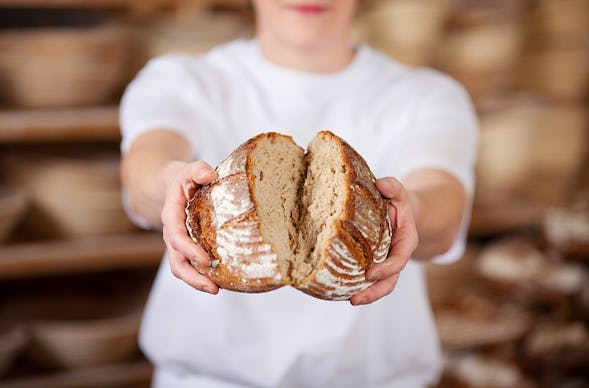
{"type": "Point", "coordinates": [403, 244]}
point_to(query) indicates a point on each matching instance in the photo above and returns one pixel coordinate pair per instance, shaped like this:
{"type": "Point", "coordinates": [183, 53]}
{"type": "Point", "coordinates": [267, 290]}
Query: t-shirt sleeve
{"type": "Point", "coordinates": [444, 135]}
{"type": "Point", "coordinates": [158, 98]}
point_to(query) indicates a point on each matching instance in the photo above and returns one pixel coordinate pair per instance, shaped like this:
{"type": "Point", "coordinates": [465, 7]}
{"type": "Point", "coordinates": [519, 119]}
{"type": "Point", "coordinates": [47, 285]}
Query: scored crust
{"type": "Point", "coordinates": [222, 217]}
{"type": "Point", "coordinates": [362, 232]}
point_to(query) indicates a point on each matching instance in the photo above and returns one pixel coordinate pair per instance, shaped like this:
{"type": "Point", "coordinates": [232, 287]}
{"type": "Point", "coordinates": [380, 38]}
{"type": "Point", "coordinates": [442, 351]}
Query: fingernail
{"type": "Point", "coordinates": [209, 289]}
{"type": "Point", "coordinates": [360, 301]}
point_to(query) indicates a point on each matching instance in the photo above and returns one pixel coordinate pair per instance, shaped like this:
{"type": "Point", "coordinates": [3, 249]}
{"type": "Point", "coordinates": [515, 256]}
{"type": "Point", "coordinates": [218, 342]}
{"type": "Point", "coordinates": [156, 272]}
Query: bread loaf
{"type": "Point", "coordinates": [278, 216]}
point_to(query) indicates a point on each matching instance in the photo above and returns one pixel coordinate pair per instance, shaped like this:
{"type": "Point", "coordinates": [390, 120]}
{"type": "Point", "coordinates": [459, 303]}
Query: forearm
{"type": "Point", "coordinates": [145, 168]}
{"type": "Point", "coordinates": [438, 201]}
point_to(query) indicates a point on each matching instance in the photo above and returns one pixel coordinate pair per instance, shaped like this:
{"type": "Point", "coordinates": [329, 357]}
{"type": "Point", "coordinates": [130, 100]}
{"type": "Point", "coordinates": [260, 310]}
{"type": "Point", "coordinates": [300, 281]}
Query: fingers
{"type": "Point", "coordinates": [182, 269]}
{"type": "Point", "coordinates": [174, 215]}
{"type": "Point", "coordinates": [181, 248]}
{"type": "Point", "coordinates": [375, 291]}
{"type": "Point", "coordinates": [403, 244]}
{"type": "Point", "coordinates": [180, 242]}
{"type": "Point", "coordinates": [391, 188]}
{"type": "Point", "coordinates": [201, 172]}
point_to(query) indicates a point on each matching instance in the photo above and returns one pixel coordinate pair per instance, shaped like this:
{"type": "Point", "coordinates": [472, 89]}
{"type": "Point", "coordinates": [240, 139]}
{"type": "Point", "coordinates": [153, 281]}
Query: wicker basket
{"type": "Point", "coordinates": [13, 205]}
{"type": "Point", "coordinates": [81, 329]}
{"type": "Point", "coordinates": [482, 45]}
{"type": "Point", "coordinates": [71, 196]}
{"type": "Point", "coordinates": [63, 66]}
{"type": "Point", "coordinates": [562, 18]}
{"type": "Point", "coordinates": [407, 30]}
{"type": "Point", "coordinates": [194, 34]}
{"type": "Point", "coordinates": [86, 342]}
{"type": "Point", "coordinates": [517, 267]}
{"type": "Point", "coordinates": [531, 149]}
{"type": "Point", "coordinates": [12, 341]}
{"type": "Point", "coordinates": [460, 331]}
{"type": "Point", "coordinates": [482, 57]}
{"type": "Point", "coordinates": [559, 70]}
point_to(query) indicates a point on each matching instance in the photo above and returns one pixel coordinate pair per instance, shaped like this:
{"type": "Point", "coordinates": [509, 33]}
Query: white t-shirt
{"type": "Point", "coordinates": [400, 119]}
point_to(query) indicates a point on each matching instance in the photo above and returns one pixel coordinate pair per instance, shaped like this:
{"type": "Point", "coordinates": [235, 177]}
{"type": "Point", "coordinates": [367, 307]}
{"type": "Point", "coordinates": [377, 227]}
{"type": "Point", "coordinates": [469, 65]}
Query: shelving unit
{"type": "Point", "coordinates": [35, 259]}
{"type": "Point", "coordinates": [68, 263]}
{"type": "Point", "coordinates": [136, 373]}
{"type": "Point", "coordinates": [26, 126]}
{"type": "Point", "coordinates": [135, 8]}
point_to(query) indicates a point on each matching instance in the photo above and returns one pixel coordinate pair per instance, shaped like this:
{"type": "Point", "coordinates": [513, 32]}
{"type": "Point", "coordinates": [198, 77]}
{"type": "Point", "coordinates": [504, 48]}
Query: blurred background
{"type": "Point", "coordinates": [75, 272]}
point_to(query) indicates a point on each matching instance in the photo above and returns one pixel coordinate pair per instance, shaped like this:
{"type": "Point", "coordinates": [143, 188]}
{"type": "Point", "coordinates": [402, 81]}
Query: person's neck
{"type": "Point", "coordinates": [327, 59]}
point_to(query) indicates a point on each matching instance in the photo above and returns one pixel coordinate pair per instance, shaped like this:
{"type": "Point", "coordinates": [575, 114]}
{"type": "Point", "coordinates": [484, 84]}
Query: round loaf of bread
{"type": "Point", "coordinates": [278, 216]}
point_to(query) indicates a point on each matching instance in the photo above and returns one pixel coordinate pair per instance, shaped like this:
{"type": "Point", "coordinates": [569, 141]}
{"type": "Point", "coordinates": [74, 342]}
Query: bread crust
{"type": "Point", "coordinates": [222, 217]}
{"type": "Point", "coordinates": [362, 237]}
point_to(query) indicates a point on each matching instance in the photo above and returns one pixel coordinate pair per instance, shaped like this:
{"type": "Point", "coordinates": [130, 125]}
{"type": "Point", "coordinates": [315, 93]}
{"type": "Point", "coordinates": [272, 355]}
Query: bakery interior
{"type": "Point", "coordinates": [75, 272]}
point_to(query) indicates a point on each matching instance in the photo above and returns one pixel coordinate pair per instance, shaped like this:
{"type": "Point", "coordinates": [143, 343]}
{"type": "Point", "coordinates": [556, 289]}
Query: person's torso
{"type": "Point", "coordinates": [286, 338]}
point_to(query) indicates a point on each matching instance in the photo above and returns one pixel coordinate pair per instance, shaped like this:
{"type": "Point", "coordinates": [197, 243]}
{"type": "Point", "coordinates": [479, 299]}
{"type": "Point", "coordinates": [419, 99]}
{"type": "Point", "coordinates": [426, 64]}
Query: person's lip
{"type": "Point", "coordinates": [308, 9]}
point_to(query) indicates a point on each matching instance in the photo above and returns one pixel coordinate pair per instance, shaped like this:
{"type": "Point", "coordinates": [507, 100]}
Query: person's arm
{"type": "Point", "coordinates": [426, 212]}
{"type": "Point", "coordinates": [158, 179]}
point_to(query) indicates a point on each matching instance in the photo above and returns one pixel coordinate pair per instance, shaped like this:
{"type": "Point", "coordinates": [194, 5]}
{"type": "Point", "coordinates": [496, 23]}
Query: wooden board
{"type": "Point", "coordinates": [133, 7]}
{"type": "Point", "coordinates": [133, 374]}
{"type": "Point", "coordinates": [96, 123]}
{"type": "Point", "coordinates": [37, 259]}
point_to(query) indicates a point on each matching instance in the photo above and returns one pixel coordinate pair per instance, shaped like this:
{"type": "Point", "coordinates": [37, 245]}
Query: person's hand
{"type": "Point", "coordinates": [184, 179]}
{"type": "Point", "coordinates": [403, 244]}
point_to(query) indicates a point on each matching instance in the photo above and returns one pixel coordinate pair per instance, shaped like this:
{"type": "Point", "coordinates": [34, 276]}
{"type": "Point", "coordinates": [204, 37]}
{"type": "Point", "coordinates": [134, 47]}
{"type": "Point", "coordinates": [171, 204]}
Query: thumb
{"type": "Point", "coordinates": [389, 187]}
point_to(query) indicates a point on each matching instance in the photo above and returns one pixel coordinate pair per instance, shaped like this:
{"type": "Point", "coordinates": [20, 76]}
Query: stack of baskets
{"type": "Point", "coordinates": [408, 30]}
{"type": "Point", "coordinates": [72, 194]}
{"type": "Point", "coordinates": [61, 58]}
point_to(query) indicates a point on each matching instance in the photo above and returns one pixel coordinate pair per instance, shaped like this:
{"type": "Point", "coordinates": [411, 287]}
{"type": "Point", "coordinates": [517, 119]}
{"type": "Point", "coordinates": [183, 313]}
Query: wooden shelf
{"type": "Point", "coordinates": [96, 4]}
{"type": "Point", "coordinates": [38, 259]}
{"type": "Point", "coordinates": [65, 3]}
{"type": "Point", "coordinates": [133, 7]}
{"type": "Point", "coordinates": [96, 123]}
{"type": "Point", "coordinates": [133, 374]}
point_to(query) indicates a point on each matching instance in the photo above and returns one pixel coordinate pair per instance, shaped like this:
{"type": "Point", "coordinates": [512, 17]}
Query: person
{"type": "Point", "coordinates": [300, 74]}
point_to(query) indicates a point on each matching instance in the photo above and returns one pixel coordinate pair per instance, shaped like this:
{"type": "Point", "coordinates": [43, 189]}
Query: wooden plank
{"type": "Point", "coordinates": [135, 374]}
{"type": "Point", "coordinates": [71, 3]}
{"type": "Point", "coordinates": [96, 123]}
{"type": "Point", "coordinates": [139, 7]}
{"type": "Point", "coordinates": [81, 255]}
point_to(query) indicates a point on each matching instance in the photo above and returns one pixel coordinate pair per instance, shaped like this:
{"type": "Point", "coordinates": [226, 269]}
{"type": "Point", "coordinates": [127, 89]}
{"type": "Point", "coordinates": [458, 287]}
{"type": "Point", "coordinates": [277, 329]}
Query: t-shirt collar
{"type": "Point", "coordinates": [286, 81]}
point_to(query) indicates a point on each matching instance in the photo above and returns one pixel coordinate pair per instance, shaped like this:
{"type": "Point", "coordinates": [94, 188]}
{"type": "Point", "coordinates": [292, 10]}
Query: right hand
{"type": "Point", "coordinates": [184, 180]}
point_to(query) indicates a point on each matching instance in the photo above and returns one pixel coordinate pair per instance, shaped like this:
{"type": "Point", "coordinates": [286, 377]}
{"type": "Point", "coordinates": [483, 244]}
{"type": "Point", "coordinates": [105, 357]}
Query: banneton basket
{"type": "Point", "coordinates": [81, 330]}
{"type": "Point", "coordinates": [408, 30]}
{"type": "Point", "coordinates": [558, 345]}
{"type": "Point", "coordinates": [481, 45]}
{"type": "Point", "coordinates": [557, 69]}
{"type": "Point", "coordinates": [195, 33]}
{"type": "Point", "coordinates": [229, 4]}
{"type": "Point", "coordinates": [563, 18]}
{"type": "Point", "coordinates": [85, 342]}
{"type": "Point", "coordinates": [516, 267]}
{"type": "Point", "coordinates": [481, 57]}
{"type": "Point", "coordinates": [13, 339]}
{"type": "Point", "coordinates": [72, 194]}
{"type": "Point", "coordinates": [565, 227]}
{"type": "Point", "coordinates": [61, 59]}
{"type": "Point", "coordinates": [468, 13]}
{"type": "Point", "coordinates": [13, 205]}
{"type": "Point", "coordinates": [530, 149]}
{"type": "Point", "coordinates": [479, 369]}
{"type": "Point", "coordinates": [476, 319]}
